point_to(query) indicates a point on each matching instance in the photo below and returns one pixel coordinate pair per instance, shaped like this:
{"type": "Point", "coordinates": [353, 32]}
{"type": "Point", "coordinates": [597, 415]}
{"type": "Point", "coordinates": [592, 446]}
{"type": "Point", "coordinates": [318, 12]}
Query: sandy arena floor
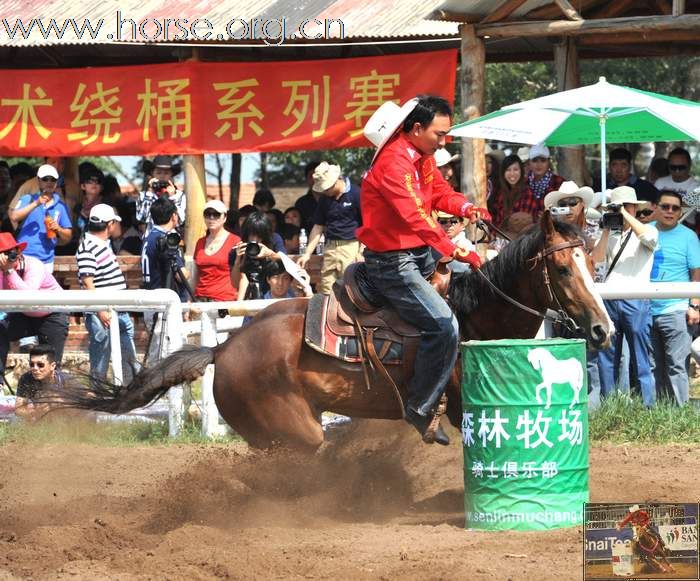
{"type": "Point", "coordinates": [373, 504]}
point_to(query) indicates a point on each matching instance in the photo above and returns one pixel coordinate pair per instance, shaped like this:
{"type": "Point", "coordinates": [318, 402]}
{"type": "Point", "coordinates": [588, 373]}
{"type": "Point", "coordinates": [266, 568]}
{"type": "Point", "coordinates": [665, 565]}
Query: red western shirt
{"type": "Point", "coordinates": [639, 518]}
{"type": "Point", "coordinates": [398, 196]}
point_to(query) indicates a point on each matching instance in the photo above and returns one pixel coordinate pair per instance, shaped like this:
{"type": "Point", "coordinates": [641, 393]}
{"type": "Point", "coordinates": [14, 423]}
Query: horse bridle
{"type": "Point", "coordinates": [555, 316]}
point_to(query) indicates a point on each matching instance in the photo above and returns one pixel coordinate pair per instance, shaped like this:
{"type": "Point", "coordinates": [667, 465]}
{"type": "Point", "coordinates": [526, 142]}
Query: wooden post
{"type": "Point", "coordinates": [473, 55]}
{"type": "Point", "coordinates": [570, 160]}
{"type": "Point", "coordinates": [196, 191]}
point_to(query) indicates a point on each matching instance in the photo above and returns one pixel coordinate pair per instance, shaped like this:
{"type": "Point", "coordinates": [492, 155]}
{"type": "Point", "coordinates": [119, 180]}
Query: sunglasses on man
{"type": "Point", "coordinates": [670, 207]}
{"type": "Point", "coordinates": [569, 202]}
{"type": "Point", "coordinates": [48, 179]}
{"type": "Point", "coordinates": [39, 364]}
{"type": "Point", "coordinates": [677, 167]}
{"type": "Point", "coordinates": [212, 214]}
{"type": "Point", "coordinates": [451, 221]}
{"type": "Point", "coordinates": [645, 213]}
{"type": "Point", "coordinates": [539, 159]}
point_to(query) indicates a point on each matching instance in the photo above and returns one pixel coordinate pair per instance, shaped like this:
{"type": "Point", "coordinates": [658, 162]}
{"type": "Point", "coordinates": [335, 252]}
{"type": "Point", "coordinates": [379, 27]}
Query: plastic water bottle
{"type": "Point", "coordinates": [303, 240]}
{"type": "Point", "coordinates": [321, 244]}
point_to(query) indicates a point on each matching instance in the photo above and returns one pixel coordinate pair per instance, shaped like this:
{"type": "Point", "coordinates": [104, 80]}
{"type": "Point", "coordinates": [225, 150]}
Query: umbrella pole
{"type": "Point", "coordinates": [603, 156]}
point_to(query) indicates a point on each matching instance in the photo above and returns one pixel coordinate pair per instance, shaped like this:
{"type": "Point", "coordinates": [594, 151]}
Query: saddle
{"type": "Point", "coordinates": [352, 325]}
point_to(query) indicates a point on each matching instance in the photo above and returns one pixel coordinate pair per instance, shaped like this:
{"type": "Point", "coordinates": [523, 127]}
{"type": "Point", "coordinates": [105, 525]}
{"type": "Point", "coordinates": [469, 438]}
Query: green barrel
{"type": "Point", "coordinates": [525, 433]}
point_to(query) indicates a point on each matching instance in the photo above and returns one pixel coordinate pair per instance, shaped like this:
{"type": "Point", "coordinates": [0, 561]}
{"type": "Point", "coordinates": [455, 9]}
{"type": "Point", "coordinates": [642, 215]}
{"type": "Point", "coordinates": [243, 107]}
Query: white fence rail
{"type": "Point", "coordinates": [209, 326]}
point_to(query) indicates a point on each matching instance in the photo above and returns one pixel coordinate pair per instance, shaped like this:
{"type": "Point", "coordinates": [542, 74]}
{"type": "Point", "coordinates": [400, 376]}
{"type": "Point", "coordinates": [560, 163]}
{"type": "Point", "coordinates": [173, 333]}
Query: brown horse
{"type": "Point", "coordinates": [652, 551]}
{"type": "Point", "coordinates": [271, 387]}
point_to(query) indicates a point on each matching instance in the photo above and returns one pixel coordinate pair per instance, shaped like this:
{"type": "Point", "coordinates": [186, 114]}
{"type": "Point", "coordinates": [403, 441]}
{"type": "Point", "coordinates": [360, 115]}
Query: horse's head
{"type": "Point", "coordinates": [570, 275]}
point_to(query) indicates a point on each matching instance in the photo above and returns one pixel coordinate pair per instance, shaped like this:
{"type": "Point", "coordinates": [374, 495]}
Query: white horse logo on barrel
{"type": "Point", "coordinates": [554, 371]}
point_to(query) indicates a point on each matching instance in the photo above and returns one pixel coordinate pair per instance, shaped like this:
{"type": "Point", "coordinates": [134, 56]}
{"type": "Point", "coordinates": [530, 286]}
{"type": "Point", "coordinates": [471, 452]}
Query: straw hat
{"type": "Point", "coordinates": [623, 195]}
{"type": "Point", "coordinates": [325, 176]}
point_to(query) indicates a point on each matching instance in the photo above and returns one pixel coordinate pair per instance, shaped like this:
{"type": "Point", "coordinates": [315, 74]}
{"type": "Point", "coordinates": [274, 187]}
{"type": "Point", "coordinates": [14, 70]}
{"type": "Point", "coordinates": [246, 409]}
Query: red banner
{"type": "Point", "coordinates": [210, 107]}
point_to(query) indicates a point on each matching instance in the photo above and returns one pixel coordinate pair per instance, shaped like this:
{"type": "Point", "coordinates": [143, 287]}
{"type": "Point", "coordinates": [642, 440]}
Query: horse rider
{"type": "Point", "coordinates": [399, 193]}
{"type": "Point", "coordinates": [639, 519]}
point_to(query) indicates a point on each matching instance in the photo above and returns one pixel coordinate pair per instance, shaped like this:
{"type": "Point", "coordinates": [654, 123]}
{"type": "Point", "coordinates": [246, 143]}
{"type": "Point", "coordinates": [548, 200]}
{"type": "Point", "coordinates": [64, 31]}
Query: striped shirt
{"type": "Point", "coordinates": [96, 259]}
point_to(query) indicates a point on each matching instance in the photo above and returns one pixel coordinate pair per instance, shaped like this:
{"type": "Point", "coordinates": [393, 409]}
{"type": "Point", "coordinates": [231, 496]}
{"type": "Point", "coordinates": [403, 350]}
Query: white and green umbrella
{"type": "Point", "coordinates": [600, 113]}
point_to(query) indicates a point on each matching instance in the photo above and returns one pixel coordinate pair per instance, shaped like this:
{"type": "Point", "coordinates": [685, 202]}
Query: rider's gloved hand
{"type": "Point", "coordinates": [475, 214]}
{"type": "Point", "coordinates": [468, 256]}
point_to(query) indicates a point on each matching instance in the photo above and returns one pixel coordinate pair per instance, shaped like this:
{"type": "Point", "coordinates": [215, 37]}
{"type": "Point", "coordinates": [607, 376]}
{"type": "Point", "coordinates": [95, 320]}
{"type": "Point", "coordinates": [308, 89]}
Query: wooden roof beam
{"type": "Point", "coordinates": [636, 24]}
{"type": "Point", "coordinates": [625, 38]}
{"type": "Point", "coordinates": [449, 16]}
{"type": "Point", "coordinates": [503, 11]}
{"type": "Point", "coordinates": [568, 10]}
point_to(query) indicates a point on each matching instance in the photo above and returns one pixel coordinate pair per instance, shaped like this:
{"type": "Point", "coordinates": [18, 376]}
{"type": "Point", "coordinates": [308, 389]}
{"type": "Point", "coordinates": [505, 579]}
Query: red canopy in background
{"type": "Point", "coordinates": [192, 107]}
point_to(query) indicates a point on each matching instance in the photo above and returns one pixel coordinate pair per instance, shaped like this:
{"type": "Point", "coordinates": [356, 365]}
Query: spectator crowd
{"type": "Point", "coordinates": [243, 253]}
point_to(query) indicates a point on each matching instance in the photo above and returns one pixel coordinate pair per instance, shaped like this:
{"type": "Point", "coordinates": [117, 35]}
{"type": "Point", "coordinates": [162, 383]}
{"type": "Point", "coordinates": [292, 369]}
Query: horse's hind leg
{"type": "Point", "coordinates": [285, 418]}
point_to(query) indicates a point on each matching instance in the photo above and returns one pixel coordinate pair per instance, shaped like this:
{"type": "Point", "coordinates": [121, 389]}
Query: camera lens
{"type": "Point", "coordinates": [252, 250]}
{"type": "Point", "coordinates": [12, 255]}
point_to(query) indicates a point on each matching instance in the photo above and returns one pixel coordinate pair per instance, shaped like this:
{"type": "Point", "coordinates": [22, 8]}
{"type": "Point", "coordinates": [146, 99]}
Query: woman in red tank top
{"type": "Point", "coordinates": [213, 280]}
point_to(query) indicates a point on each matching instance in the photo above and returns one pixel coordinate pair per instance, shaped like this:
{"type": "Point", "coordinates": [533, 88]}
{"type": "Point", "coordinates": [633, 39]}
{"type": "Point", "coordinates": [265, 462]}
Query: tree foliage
{"type": "Point", "coordinates": [288, 168]}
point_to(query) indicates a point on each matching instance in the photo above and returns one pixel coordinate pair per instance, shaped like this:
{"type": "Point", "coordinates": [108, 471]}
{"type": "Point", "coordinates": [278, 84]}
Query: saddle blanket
{"type": "Point", "coordinates": [322, 334]}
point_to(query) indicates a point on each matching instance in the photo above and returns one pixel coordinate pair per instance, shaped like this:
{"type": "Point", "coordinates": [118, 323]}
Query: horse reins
{"type": "Point", "coordinates": [559, 316]}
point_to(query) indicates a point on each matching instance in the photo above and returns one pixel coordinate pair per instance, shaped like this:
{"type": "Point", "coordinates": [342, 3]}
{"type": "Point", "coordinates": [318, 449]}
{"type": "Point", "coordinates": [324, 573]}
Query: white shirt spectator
{"type": "Point", "coordinates": [667, 184]}
{"type": "Point", "coordinates": [636, 259]}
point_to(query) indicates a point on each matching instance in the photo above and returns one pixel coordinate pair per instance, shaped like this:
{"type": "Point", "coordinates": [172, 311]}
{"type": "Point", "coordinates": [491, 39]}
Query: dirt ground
{"type": "Point", "coordinates": [374, 503]}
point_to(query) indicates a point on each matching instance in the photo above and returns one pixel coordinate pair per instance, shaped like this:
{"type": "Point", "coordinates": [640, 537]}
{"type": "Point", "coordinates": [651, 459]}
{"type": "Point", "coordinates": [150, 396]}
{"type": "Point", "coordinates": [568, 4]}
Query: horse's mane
{"type": "Point", "coordinates": [468, 290]}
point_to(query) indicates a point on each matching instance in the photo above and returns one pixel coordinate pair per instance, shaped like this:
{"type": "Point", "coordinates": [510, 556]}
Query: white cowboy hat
{"type": "Point", "coordinates": [569, 190]}
{"type": "Point", "coordinates": [623, 195]}
{"type": "Point", "coordinates": [634, 508]}
{"type": "Point", "coordinates": [443, 157]}
{"type": "Point", "coordinates": [384, 122]}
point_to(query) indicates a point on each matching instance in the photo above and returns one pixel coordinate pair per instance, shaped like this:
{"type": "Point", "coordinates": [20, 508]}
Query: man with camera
{"type": "Point", "coordinates": [162, 264]}
{"type": "Point", "coordinates": [161, 185]}
{"type": "Point", "coordinates": [627, 247]}
{"type": "Point", "coordinates": [98, 269]}
{"type": "Point", "coordinates": [26, 273]}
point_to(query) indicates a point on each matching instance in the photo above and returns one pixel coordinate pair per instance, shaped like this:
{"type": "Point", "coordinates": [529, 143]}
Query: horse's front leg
{"type": "Point", "coordinates": [548, 387]}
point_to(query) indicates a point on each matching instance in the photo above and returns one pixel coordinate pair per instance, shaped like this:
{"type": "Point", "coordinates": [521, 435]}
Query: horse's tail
{"type": "Point", "coordinates": [148, 385]}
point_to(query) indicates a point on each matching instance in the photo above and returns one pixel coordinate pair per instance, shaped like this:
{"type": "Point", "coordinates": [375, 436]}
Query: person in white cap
{"type": "Point", "coordinates": [571, 201]}
{"type": "Point", "coordinates": [540, 176]}
{"type": "Point", "coordinates": [628, 253]}
{"type": "Point", "coordinates": [399, 194]}
{"type": "Point", "coordinates": [44, 218]}
{"type": "Point", "coordinates": [337, 218]}
{"type": "Point", "coordinates": [98, 269]}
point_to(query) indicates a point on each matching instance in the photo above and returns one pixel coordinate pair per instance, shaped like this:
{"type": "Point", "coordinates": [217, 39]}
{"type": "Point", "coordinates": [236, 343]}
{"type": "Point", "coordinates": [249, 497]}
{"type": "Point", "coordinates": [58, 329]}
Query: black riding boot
{"type": "Point", "coordinates": [421, 424]}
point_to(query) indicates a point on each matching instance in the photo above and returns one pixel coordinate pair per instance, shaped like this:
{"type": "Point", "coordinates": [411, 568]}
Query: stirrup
{"type": "Point", "coordinates": [429, 435]}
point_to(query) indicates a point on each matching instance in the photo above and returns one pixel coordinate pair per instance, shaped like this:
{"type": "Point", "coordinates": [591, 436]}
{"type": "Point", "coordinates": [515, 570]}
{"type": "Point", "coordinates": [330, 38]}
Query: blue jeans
{"type": "Point", "coordinates": [593, 380]}
{"type": "Point", "coordinates": [671, 342]}
{"type": "Point", "coordinates": [632, 322]}
{"type": "Point", "coordinates": [100, 346]}
{"type": "Point", "coordinates": [399, 277]}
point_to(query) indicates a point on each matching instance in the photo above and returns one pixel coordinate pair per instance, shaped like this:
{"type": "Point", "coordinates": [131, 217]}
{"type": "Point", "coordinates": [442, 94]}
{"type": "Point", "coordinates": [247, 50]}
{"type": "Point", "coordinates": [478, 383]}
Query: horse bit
{"type": "Point", "coordinates": [555, 316]}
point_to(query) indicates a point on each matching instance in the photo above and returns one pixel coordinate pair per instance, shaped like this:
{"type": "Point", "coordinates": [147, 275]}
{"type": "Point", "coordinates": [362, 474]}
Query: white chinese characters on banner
{"type": "Point", "coordinates": [511, 469]}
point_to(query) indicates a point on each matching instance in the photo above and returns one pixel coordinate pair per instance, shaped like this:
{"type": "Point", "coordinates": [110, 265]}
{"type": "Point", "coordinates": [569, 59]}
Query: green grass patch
{"type": "Point", "coordinates": [105, 434]}
{"type": "Point", "coordinates": [621, 418]}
